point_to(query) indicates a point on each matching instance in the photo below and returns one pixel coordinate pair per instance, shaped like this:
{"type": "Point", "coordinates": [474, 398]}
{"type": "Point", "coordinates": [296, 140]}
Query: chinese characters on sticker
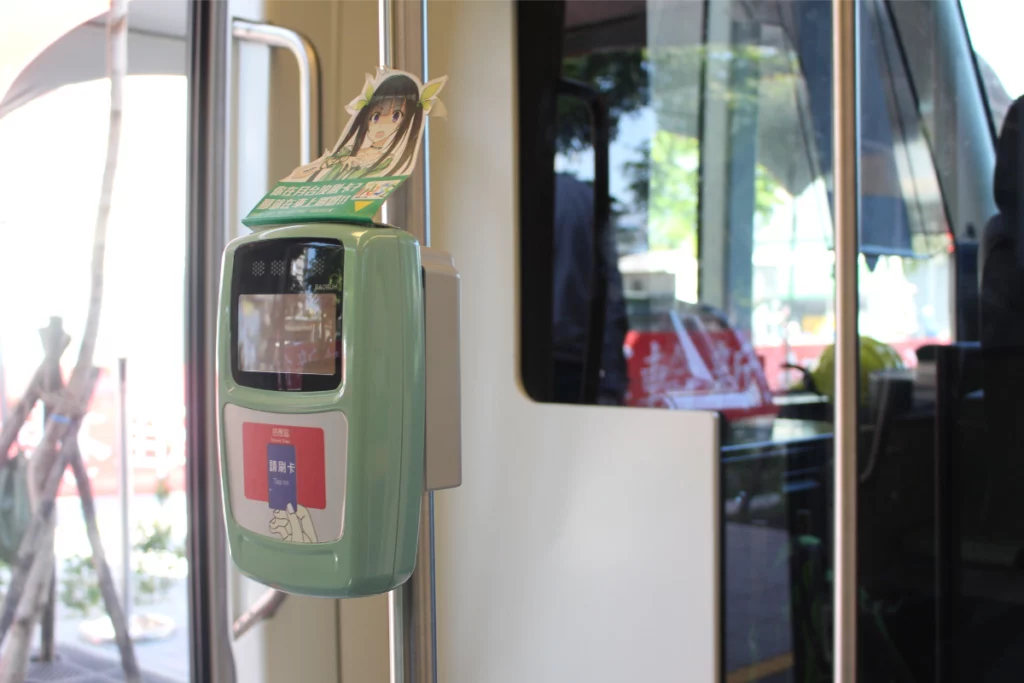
{"type": "Point", "coordinates": [282, 467]}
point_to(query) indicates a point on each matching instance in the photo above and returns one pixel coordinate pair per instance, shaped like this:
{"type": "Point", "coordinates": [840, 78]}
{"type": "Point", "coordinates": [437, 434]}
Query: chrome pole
{"type": "Point", "coordinates": [386, 32]}
{"type": "Point", "coordinates": [418, 599]}
{"type": "Point", "coordinates": [396, 635]}
{"type": "Point", "coordinates": [846, 148]}
{"type": "Point", "coordinates": [386, 48]}
{"type": "Point", "coordinates": [403, 45]}
{"type": "Point", "coordinates": [423, 165]}
{"type": "Point", "coordinates": [411, 622]}
{"type": "Point", "coordinates": [209, 609]}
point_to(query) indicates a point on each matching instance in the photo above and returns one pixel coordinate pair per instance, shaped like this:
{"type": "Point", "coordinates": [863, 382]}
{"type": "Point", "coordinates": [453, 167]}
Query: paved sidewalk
{"type": "Point", "coordinates": [75, 665]}
{"type": "Point", "coordinates": [163, 661]}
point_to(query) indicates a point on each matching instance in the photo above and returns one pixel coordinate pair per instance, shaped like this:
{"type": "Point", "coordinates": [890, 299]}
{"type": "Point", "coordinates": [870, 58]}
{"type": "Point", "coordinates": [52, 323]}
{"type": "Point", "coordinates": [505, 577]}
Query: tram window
{"type": "Point", "coordinates": [718, 128]}
{"type": "Point", "coordinates": [998, 58]}
{"type": "Point", "coordinates": [54, 148]}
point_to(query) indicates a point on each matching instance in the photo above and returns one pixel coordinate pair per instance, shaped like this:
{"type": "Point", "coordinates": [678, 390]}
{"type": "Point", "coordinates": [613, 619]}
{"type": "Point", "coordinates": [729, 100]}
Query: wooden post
{"type": "Point", "coordinates": [99, 562]}
{"type": "Point", "coordinates": [18, 416]}
{"type": "Point", "coordinates": [58, 428]}
{"type": "Point", "coordinates": [25, 587]}
{"type": "Point", "coordinates": [54, 346]}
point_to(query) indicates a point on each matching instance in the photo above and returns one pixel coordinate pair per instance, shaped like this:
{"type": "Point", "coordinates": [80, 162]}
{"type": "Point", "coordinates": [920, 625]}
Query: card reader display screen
{"type": "Point", "coordinates": [287, 333]}
{"type": "Point", "coordinates": [287, 296]}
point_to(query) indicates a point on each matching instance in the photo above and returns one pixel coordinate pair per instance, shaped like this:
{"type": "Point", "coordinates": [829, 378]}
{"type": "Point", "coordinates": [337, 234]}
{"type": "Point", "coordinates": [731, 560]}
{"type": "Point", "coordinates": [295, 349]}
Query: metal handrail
{"type": "Point", "coordinates": [402, 36]}
{"type": "Point", "coordinates": [309, 76]}
{"type": "Point", "coordinates": [309, 148]}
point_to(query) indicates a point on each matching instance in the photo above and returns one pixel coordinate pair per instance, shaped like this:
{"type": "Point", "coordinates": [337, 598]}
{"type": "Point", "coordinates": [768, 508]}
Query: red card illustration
{"type": "Point", "coordinates": [284, 464]}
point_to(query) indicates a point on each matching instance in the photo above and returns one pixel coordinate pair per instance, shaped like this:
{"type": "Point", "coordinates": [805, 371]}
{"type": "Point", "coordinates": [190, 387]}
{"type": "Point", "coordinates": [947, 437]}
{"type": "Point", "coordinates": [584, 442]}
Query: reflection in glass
{"type": "Point", "coordinates": [720, 180]}
{"type": "Point", "coordinates": [287, 333]}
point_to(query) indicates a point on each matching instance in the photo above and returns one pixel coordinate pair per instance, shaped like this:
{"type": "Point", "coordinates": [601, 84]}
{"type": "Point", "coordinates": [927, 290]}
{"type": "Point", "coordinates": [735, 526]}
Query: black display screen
{"type": "Point", "coordinates": [286, 314]}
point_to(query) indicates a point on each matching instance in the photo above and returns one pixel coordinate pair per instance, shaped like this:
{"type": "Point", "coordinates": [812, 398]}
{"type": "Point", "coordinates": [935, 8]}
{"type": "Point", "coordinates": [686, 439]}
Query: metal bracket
{"type": "Point", "coordinates": [442, 449]}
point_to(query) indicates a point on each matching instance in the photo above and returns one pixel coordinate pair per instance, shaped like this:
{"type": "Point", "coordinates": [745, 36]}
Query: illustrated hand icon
{"type": "Point", "coordinates": [293, 525]}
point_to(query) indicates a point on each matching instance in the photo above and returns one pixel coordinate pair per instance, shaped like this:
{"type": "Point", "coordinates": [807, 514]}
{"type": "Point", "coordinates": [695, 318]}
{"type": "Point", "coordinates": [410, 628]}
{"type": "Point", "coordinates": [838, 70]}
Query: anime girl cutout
{"type": "Point", "coordinates": [382, 138]}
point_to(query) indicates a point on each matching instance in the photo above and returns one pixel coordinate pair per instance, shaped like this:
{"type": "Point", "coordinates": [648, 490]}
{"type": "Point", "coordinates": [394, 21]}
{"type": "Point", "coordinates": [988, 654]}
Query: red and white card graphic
{"type": "Point", "coordinates": [300, 470]}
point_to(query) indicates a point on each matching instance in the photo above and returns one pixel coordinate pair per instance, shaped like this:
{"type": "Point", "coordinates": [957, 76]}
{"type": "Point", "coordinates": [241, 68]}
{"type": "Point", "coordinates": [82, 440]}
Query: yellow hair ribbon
{"type": "Point", "coordinates": [364, 98]}
{"type": "Point", "coordinates": [432, 106]}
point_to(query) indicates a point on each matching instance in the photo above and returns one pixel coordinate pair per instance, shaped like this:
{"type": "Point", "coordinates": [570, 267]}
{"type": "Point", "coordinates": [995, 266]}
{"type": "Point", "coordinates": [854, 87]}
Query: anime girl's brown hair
{"type": "Point", "coordinates": [401, 92]}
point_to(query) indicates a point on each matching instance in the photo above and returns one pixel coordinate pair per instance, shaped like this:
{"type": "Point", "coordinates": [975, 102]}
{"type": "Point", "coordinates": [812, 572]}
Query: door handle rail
{"type": "Point", "coordinates": [309, 148]}
{"type": "Point", "coordinates": [309, 76]}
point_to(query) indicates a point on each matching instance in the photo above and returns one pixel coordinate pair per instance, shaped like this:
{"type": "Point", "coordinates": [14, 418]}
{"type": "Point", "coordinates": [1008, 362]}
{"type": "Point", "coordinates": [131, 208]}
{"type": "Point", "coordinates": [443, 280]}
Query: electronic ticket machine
{"type": "Point", "coordinates": [338, 366]}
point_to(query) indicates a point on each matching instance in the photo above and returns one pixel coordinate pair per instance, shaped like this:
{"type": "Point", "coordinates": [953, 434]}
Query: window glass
{"type": "Point", "coordinates": [992, 28]}
{"type": "Point", "coordinates": [54, 151]}
{"type": "Point", "coordinates": [713, 276]}
{"type": "Point", "coordinates": [719, 193]}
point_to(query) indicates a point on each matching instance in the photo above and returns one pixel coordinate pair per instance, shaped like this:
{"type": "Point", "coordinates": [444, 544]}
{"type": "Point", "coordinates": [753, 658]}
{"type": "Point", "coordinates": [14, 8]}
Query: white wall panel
{"type": "Point", "coordinates": [582, 545]}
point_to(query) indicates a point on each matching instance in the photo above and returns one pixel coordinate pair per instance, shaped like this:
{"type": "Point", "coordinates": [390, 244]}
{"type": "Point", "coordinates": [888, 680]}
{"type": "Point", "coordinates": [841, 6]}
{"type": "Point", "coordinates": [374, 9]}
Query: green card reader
{"type": "Point", "coordinates": [333, 339]}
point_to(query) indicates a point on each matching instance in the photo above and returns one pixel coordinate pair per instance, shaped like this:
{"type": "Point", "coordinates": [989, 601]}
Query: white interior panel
{"type": "Point", "coordinates": [583, 543]}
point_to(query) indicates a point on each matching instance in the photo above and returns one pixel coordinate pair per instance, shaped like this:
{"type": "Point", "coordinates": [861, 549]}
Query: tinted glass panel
{"type": "Point", "coordinates": [677, 253]}
{"type": "Point", "coordinates": [287, 314]}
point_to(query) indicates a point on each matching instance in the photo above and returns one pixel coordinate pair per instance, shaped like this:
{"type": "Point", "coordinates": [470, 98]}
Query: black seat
{"type": "Point", "coordinates": [999, 466]}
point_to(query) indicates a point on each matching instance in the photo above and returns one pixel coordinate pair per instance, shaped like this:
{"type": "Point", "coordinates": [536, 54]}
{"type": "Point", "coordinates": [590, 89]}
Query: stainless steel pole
{"type": "Point", "coordinates": [396, 635]}
{"type": "Point", "coordinates": [418, 601]}
{"type": "Point", "coordinates": [386, 47]}
{"type": "Point", "coordinates": [209, 615]}
{"type": "Point", "coordinates": [403, 45]}
{"type": "Point", "coordinates": [846, 148]}
{"type": "Point", "coordinates": [386, 32]}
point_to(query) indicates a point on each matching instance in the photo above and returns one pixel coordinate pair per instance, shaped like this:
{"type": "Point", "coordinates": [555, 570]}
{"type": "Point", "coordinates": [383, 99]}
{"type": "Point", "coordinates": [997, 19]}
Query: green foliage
{"type": "Point", "coordinates": [669, 187]}
{"type": "Point", "coordinates": [666, 183]}
{"type": "Point", "coordinates": [664, 180]}
{"type": "Point", "coordinates": [80, 591]}
{"type": "Point", "coordinates": [155, 539]}
{"type": "Point", "coordinates": [746, 77]}
{"type": "Point", "coordinates": [620, 76]}
{"type": "Point", "coordinates": [155, 557]}
{"type": "Point", "coordinates": [163, 492]}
